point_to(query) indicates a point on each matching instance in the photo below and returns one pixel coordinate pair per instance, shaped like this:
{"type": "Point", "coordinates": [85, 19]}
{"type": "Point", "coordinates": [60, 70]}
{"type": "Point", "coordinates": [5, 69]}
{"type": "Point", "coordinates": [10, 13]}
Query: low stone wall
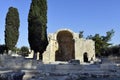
{"type": "Point", "coordinates": [12, 76]}
{"type": "Point", "coordinates": [33, 68]}
{"type": "Point", "coordinates": [8, 62]}
{"type": "Point", "coordinates": [74, 76]}
{"type": "Point", "coordinates": [70, 68]}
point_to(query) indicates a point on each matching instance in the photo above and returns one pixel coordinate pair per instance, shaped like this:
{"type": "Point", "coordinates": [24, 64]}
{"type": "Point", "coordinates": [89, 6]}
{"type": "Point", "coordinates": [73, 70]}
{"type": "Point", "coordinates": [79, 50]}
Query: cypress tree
{"type": "Point", "coordinates": [37, 25]}
{"type": "Point", "coordinates": [12, 28]}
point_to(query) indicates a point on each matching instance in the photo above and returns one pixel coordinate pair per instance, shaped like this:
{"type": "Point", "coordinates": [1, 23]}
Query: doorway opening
{"type": "Point", "coordinates": [66, 49]}
{"type": "Point", "coordinates": [85, 56]}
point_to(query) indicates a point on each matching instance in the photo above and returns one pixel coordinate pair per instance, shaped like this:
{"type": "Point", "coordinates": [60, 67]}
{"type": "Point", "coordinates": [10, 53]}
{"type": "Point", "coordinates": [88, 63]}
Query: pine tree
{"type": "Point", "coordinates": [102, 42]}
{"type": "Point", "coordinates": [37, 25]}
{"type": "Point", "coordinates": [12, 28]}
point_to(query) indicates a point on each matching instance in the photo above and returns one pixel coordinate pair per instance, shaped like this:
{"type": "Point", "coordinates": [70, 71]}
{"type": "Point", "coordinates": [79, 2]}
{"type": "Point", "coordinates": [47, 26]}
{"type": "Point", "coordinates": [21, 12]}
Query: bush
{"type": "Point", "coordinates": [24, 51]}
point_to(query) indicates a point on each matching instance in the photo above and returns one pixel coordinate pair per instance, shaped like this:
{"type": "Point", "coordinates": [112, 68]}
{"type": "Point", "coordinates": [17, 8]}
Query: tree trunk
{"type": "Point", "coordinates": [35, 56]}
{"type": "Point", "coordinates": [40, 56]}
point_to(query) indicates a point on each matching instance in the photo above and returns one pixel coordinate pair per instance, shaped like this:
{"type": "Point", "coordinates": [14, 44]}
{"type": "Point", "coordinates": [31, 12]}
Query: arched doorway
{"type": "Point", "coordinates": [66, 46]}
{"type": "Point", "coordinates": [85, 56]}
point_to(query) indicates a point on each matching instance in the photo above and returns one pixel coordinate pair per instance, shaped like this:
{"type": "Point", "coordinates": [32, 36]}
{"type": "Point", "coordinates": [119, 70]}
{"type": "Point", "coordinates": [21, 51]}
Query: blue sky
{"type": "Point", "coordinates": [90, 16]}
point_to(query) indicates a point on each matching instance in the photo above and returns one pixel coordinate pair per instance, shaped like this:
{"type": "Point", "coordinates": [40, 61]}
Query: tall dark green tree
{"type": "Point", "coordinates": [113, 51]}
{"type": "Point", "coordinates": [37, 25]}
{"type": "Point", "coordinates": [101, 42]}
{"type": "Point", "coordinates": [12, 28]}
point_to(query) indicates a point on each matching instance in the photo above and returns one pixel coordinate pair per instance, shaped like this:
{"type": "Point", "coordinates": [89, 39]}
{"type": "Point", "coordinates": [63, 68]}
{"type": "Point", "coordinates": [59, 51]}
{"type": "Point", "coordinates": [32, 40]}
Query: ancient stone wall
{"type": "Point", "coordinates": [65, 45]}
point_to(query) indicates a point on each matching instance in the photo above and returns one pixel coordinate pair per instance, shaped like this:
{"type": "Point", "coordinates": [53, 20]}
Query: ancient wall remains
{"type": "Point", "coordinates": [65, 45]}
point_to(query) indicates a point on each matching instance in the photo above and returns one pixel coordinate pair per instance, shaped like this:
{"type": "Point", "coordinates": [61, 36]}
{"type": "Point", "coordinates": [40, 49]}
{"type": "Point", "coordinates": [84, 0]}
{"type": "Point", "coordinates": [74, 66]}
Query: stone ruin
{"type": "Point", "coordinates": [15, 67]}
{"type": "Point", "coordinates": [65, 45]}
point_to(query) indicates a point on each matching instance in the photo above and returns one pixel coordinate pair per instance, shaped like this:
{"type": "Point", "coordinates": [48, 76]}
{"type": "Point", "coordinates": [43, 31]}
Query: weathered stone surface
{"type": "Point", "coordinates": [65, 45]}
{"type": "Point", "coordinates": [75, 76]}
{"type": "Point", "coordinates": [12, 76]}
{"type": "Point", "coordinates": [75, 62]}
{"type": "Point", "coordinates": [9, 62]}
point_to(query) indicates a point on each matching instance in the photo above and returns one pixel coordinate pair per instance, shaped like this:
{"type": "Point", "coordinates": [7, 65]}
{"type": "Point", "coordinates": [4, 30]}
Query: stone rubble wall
{"type": "Point", "coordinates": [36, 68]}
{"type": "Point", "coordinates": [81, 46]}
{"type": "Point", "coordinates": [61, 71]}
{"type": "Point", "coordinates": [12, 75]}
{"type": "Point", "coordinates": [9, 62]}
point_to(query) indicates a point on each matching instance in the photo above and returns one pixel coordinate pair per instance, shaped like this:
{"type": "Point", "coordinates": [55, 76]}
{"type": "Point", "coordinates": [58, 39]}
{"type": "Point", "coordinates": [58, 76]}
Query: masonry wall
{"type": "Point", "coordinates": [84, 46]}
{"type": "Point", "coordinates": [81, 46]}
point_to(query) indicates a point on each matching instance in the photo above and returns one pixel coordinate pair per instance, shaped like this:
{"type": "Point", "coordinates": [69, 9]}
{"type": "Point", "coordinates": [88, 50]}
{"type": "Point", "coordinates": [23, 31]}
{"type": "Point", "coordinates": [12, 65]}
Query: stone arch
{"type": "Point", "coordinates": [85, 57]}
{"type": "Point", "coordinates": [66, 49]}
